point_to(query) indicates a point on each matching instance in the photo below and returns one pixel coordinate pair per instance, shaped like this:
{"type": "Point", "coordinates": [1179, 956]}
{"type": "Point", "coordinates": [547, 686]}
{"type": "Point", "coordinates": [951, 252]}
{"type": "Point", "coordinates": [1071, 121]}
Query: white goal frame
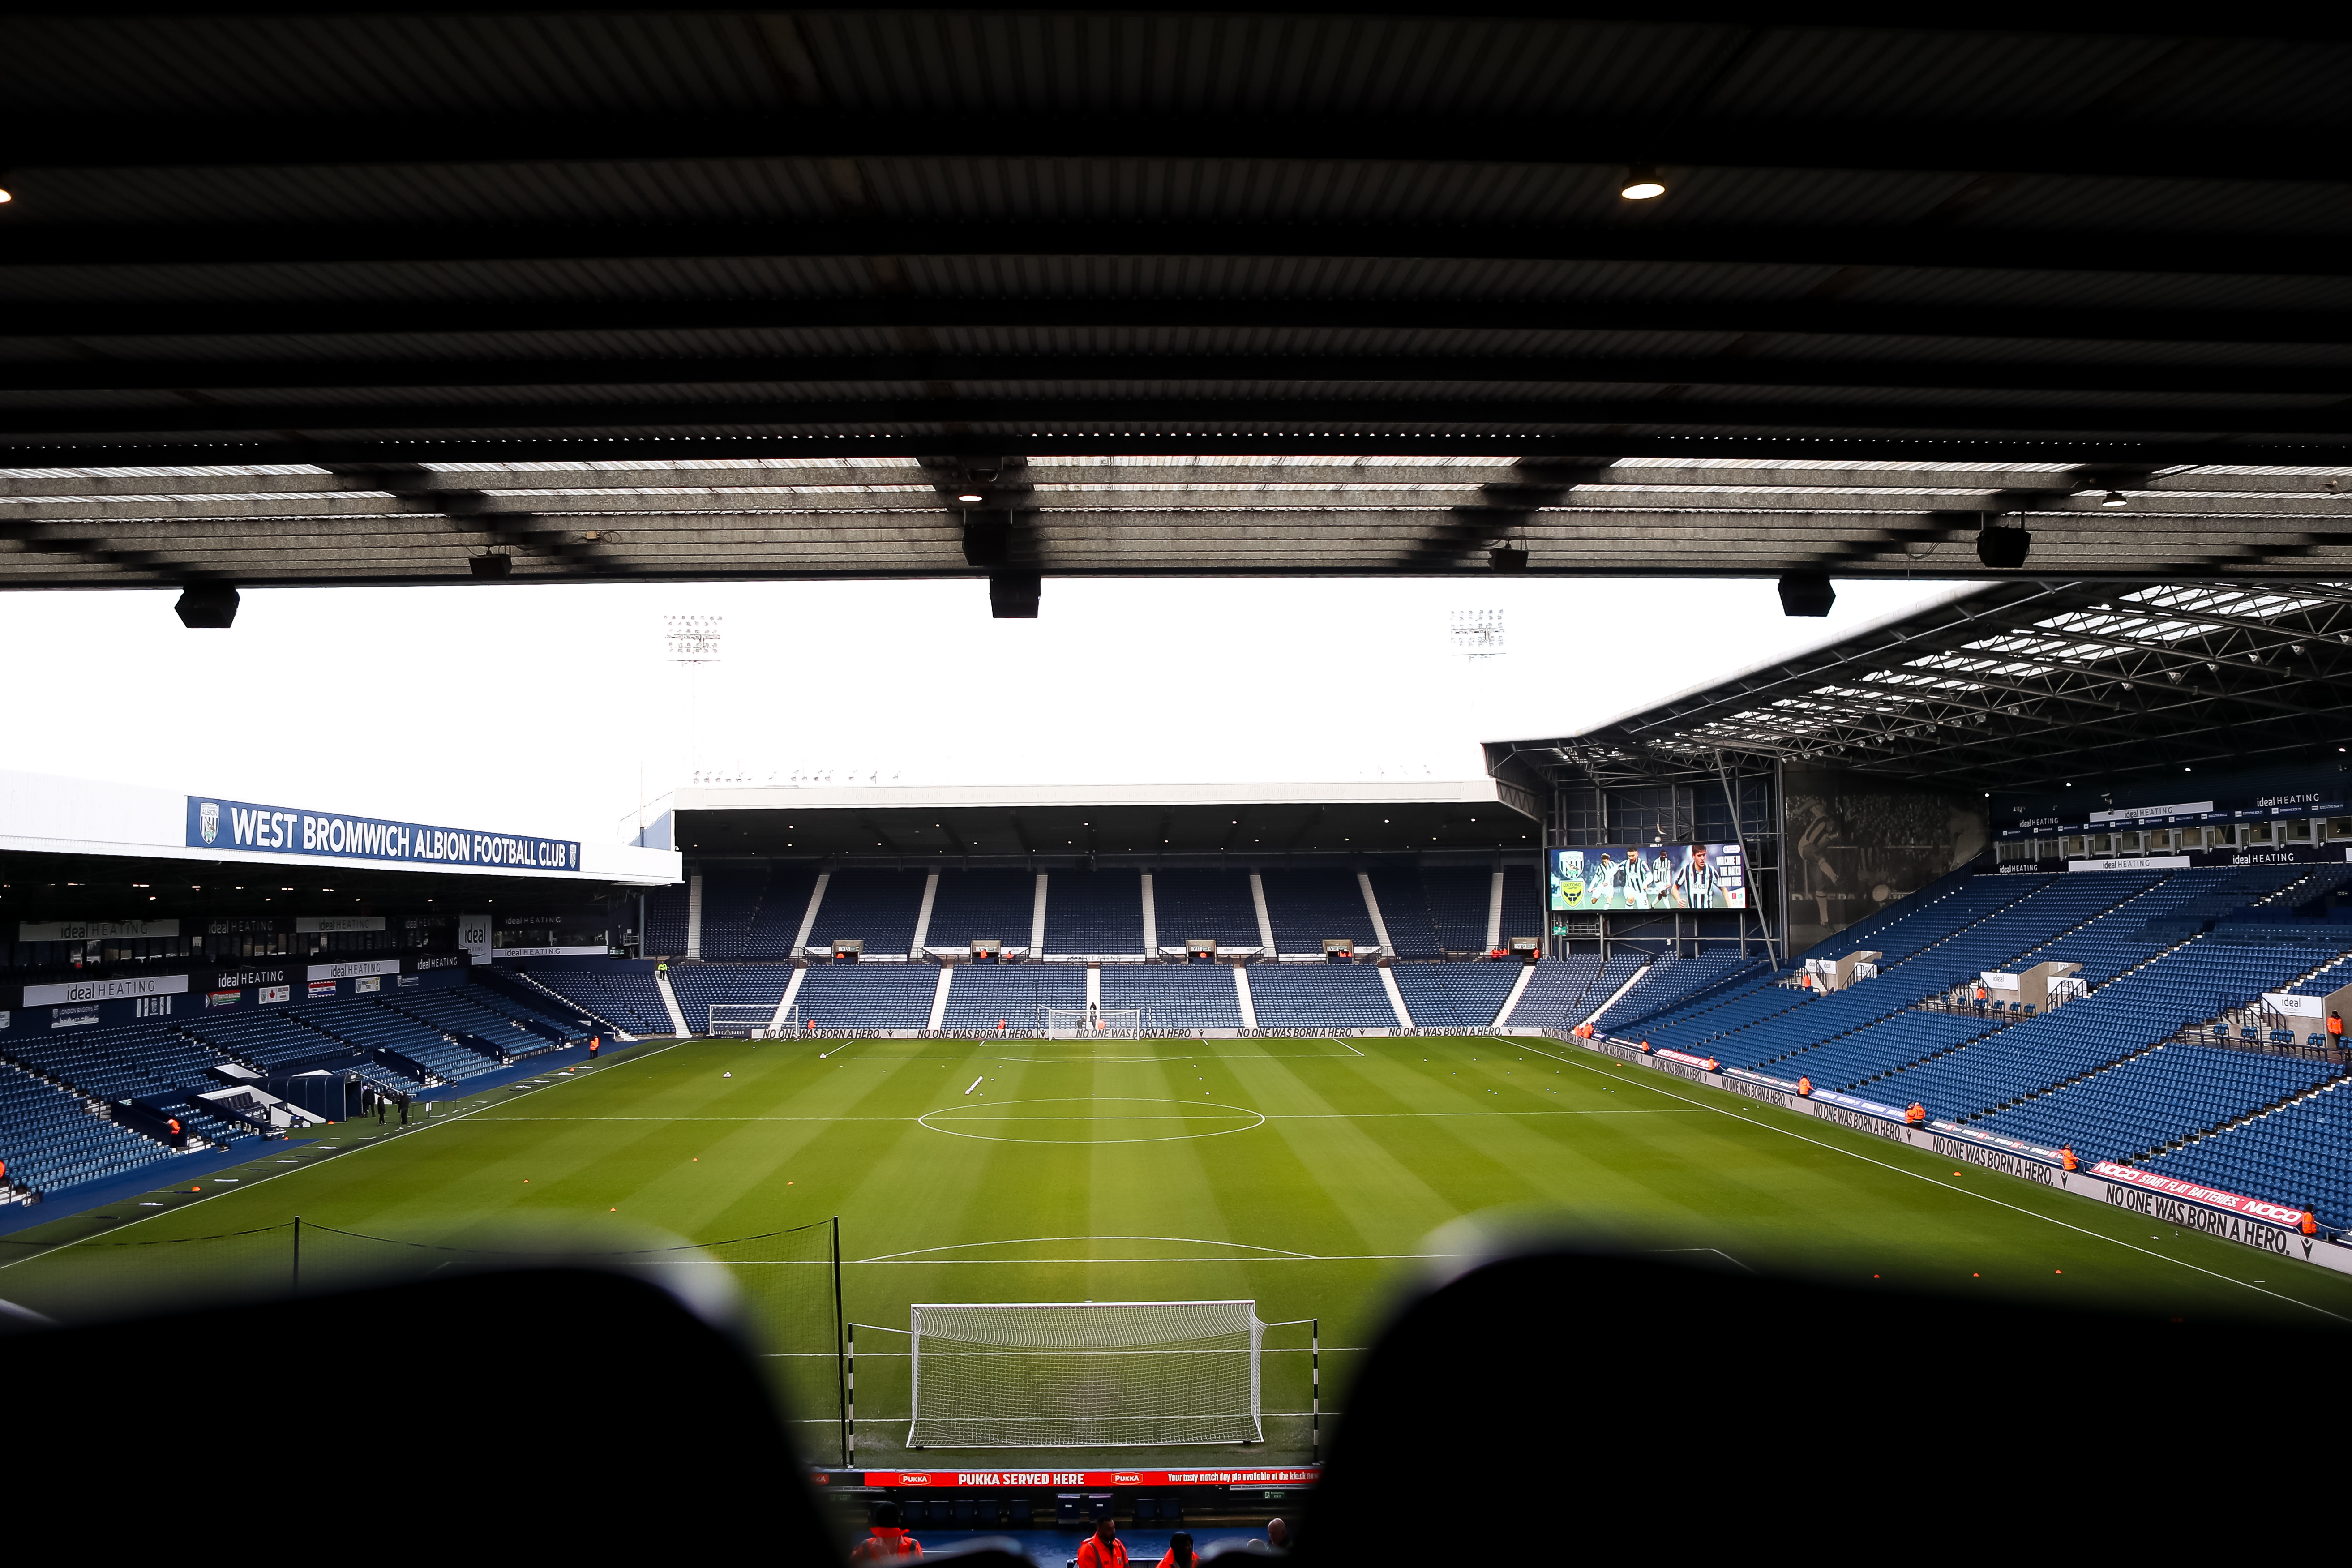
{"type": "Point", "coordinates": [1085, 1374]}
{"type": "Point", "coordinates": [752, 1021]}
{"type": "Point", "coordinates": [1092, 1023]}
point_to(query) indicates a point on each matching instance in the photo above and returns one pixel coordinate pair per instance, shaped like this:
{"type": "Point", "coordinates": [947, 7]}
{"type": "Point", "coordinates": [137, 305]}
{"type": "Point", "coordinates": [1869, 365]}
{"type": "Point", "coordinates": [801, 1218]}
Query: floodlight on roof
{"type": "Point", "coordinates": [971, 498]}
{"type": "Point", "coordinates": [2113, 499]}
{"type": "Point", "coordinates": [5, 195]}
{"type": "Point", "coordinates": [1642, 183]}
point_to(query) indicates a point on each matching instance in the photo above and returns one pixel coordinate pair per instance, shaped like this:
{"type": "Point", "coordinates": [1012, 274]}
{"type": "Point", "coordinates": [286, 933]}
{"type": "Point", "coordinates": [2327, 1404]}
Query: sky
{"type": "Point", "coordinates": [553, 710]}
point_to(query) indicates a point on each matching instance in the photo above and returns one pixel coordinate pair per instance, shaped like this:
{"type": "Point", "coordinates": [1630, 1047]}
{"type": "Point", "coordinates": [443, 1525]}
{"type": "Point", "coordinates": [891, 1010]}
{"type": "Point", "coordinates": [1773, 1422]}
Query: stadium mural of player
{"type": "Point", "coordinates": [1649, 876]}
{"type": "Point", "coordinates": [1857, 844]}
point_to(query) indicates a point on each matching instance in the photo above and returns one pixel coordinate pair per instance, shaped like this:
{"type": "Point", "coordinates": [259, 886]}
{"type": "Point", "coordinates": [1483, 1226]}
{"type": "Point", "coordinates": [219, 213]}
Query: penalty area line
{"type": "Point", "coordinates": [1948, 1186]}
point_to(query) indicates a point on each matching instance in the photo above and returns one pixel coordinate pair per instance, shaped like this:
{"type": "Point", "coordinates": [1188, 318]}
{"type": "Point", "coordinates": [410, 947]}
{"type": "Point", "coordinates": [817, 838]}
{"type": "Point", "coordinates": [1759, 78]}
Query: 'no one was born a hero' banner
{"type": "Point", "coordinates": [333, 835]}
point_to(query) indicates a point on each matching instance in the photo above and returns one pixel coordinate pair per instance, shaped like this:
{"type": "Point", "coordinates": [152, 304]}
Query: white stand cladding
{"type": "Point", "coordinates": [1151, 918]}
{"type": "Point", "coordinates": [694, 916]}
{"type": "Point", "coordinates": [1494, 912]}
{"type": "Point", "coordinates": [1396, 997]}
{"type": "Point", "coordinates": [1264, 920]}
{"type": "Point", "coordinates": [923, 918]}
{"type": "Point", "coordinates": [1242, 994]}
{"type": "Point", "coordinates": [939, 997]}
{"type": "Point", "coordinates": [808, 920]}
{"type": "Point", "coordinates": [1372, 907]}
{"type": "Point", "coordinates": [1518, 989]}
{"type": "Point", "coordinates": [1037, 919]}
{"type": "Point", "coordinates": [670, 1000]}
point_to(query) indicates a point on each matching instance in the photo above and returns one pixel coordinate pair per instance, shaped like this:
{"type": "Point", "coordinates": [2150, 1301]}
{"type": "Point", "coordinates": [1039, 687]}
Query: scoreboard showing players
{"type": "Point", "coordinates": [1649, 876]}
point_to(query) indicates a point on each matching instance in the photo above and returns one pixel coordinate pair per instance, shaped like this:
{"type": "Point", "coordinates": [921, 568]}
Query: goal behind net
{"type": "Point", "coordinates": [764, 1021]}
{"type": "Point", "coordinates": [1080, 1022]}
{"type": "Point", "coordinates": [1093, 1374]}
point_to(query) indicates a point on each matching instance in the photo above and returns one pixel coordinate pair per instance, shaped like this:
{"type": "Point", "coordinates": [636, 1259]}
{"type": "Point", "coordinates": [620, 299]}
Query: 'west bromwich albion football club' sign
{"type": "Point", "coordinates": [334, 836]}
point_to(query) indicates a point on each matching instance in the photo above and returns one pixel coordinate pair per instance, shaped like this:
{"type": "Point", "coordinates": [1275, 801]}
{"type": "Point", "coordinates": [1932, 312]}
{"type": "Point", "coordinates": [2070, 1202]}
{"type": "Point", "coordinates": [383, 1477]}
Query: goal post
{"type": "Point", "coordinates": [756, 1021]}
{"type": "Point", "coordinates": [1089, 1374]}
{"type": "Point", "coordinates": [1083, 1023]}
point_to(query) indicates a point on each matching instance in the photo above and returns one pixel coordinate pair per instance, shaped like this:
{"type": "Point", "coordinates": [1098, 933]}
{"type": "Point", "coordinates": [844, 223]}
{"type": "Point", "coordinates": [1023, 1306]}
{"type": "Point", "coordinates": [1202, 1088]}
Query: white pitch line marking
{"type": "Point", "coordinates": [975, 1084]}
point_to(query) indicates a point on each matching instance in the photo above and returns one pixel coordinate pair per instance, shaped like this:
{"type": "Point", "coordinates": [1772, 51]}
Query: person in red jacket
{"type": "Point", "coordinates": [1103, 1549]}
{"type": "Point", "coordinates": [888, 1540]}
{"type": "Point", "coordinates": [1179, 1551]}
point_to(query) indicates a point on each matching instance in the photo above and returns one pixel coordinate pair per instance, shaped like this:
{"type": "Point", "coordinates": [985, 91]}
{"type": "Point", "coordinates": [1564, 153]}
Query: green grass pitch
{"type": "Point", "coordinates": [1305, 1174]}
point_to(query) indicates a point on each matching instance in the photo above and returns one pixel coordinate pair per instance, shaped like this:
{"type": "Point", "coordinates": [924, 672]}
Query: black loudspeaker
{"type": "Point", "coordinates": [2004, 549]}
{"type": "Point", "coordinates": [1012, 596]}
{"type": "Point", "coordinates": [491, 565]}
{"type": "Point", "coordinates": [987, 541]}
{"type": "Point", "coordinates": [207, 606]}
{"type": "Point", "coordinates": [1807, 594]}
{"type": "Point", "coordinates": [1508, 558]}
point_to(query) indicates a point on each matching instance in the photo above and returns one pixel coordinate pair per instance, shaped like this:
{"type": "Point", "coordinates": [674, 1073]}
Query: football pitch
{"type": "Point", "coordinates": [1307, 1175]}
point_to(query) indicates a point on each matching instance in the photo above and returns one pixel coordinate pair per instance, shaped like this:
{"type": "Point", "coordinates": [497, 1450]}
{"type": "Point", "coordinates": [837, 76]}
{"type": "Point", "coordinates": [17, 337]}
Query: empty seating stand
{"type": "Point", "coordinates": [1094, 913]}
{"type": "Point", "coordinates": [1320, 996]}
{"type": "Point", "coordinates": [1308, 908]}
{"type": "Point", "coordinates": [1177, 996]}
{"type": "Point", "coordinates": [783, 904]}
{"type": "Point", "coordinates": [868, 995]}
{"type": "Point", "coordinates": [701, 986]}
{"type": "Point", "coordinates": [1017, 994]}
{"type": "Point", "coordinates": [1455, 995]}
{"type": "Point", "coordinates": [731, 896]}
{"type": "Point", "coordinates": [999, 905]}
{"type": "Point", "coordinates": [51, 1140]}
{"type": "Point", "coordinates": [1550, 1000]}
{"type": "Point", "coordinates": [1211, 904]}
{"type": "Point", "coordinates": [879, 908]}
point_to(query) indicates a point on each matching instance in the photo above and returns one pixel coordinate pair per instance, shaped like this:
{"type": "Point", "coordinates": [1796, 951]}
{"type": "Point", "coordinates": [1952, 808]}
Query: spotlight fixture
{"type": "Point", "coordinates": [1642, 183]}
{"type": "Point", "coordinates": [971, 498]}
{"type": "Point", "coordinates": [5, 196]}
{"type": "Point", "coordinates": [2113, 498]}
{"type": "Point", "coordinates": [1807, 594]}
{"type": "Point", "coordinates": [207, 606]}
{"type": "Point", "coordinates": [2004, 549]}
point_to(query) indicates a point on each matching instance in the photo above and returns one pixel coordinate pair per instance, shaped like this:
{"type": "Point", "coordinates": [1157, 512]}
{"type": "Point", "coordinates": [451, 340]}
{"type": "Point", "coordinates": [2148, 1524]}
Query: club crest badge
{"type": "Point", "coordinates": [208, 820]}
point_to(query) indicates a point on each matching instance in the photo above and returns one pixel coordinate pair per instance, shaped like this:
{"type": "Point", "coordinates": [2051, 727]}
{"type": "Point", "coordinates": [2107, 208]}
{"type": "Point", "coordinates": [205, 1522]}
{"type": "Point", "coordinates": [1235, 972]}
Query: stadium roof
{"type": "Point", "coordinates": [2010, 685]}
{"type": "Point", "coordinates": [1022, 822]}
{"type": "Point", "coordinates": [306, 295]}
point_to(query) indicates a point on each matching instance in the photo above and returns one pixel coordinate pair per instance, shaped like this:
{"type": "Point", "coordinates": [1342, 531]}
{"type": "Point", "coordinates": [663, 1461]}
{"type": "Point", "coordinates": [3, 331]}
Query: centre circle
{"type": "Point", "coordinates": [1090, 1120]}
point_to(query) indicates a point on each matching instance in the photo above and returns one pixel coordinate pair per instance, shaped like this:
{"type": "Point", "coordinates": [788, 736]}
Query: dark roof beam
{"type": "Point", "coordinates": [2126, 251]}
{"type": "Point", "coordinates": [95, 322]}
{"type": "Point", "coordinates": [2039, 377]}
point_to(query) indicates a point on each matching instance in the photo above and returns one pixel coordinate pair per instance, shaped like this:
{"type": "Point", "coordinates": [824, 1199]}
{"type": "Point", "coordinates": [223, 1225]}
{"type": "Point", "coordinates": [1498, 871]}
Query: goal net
{"type": "Point", "coordinates": [1079, 1023]}
{"type": "Point", "coordinates": [763, 1021]}
{"type": "Point", "coordinates": [1093, 1374]}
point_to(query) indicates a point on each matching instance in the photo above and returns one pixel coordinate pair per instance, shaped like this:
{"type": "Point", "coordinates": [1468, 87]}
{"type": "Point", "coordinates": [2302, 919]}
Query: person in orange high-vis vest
{"type": "Point", "coordinates": [2310, 1223]}
{"type": "Point", "coordinates": [1914, 1115]}
{"type": "Point", "coordinates": [887, 1540]}
{"type": "Point", "coordinates": [2066, 1158]}
{"type": "Point", "coordinates": [1805, 1087]}
{"type": "Point", "coordinates": [2336, 1031]}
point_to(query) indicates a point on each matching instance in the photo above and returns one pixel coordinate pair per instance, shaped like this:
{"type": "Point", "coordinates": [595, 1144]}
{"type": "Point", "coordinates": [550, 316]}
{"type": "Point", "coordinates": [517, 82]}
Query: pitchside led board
{"type": "Point", "coordinates": [1649, 876]}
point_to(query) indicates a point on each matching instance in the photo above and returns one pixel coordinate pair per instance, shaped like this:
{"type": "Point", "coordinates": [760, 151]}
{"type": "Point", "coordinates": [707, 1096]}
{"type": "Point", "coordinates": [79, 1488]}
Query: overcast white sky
{"type": "Point", "coordinates": [535, 708]}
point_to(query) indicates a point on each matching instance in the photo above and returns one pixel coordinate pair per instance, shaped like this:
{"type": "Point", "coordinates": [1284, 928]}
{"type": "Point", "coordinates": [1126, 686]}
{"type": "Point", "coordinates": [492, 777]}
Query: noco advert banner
{"type": "Point", "coordinates": [333, 835]}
